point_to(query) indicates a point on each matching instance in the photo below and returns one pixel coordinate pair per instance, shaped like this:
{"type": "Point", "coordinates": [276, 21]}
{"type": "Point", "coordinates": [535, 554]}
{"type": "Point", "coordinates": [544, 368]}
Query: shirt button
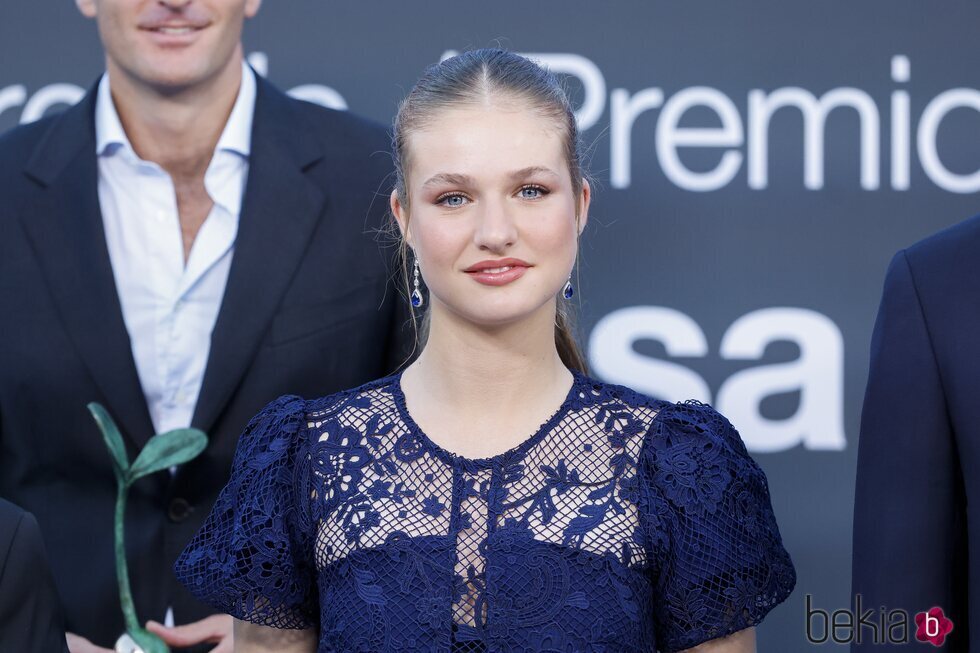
{"type": "Point", "coordinates": [179, 510]}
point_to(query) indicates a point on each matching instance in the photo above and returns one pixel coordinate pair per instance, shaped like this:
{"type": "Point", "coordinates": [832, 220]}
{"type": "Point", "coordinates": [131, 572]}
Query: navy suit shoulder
{"type": "Point", "coordinates": [335, 126]}
{"type": "Point", "coordinates": [944, 273]}
{"type": "Point", "coordinates": [349, 139]}
{"type": "Point", "coordinates": [954, 246]}
{"type": "Point", "coordinates": [18, 143]}
{"type": "Point", "coordinates": [341, 136]}
{"type": "Point", "coordinates": [17, 148]}
{"type": "Point", "coordinates": [920, 425]}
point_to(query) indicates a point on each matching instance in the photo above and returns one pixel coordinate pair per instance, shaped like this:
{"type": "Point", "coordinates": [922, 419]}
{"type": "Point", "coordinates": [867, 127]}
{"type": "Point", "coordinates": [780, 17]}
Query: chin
{"type": "Point", "coordinates": [175, 69]}
{"type": "Point", "coordinates": [494, 307]}
{"type": "Point", "coordinates": [499, 316]}
{"type": "Point", "coordinates": [177, 78]}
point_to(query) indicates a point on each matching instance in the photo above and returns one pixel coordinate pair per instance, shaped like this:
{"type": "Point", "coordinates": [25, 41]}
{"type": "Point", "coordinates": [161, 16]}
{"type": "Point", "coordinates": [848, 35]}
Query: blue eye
{"type": "Point", "coordinates": [533, 192]}
{"type": "Point", "coordinates": [453, 201]}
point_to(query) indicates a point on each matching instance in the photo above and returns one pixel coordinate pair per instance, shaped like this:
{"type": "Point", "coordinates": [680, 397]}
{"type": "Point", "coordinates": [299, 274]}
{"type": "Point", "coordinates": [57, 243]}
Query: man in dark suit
{"type": "Point", "coordinates": [917, 503]}
{"type": "Point", "coordinates": [30, 611]}
{"type": "Point", "coordinates": [183, 246]}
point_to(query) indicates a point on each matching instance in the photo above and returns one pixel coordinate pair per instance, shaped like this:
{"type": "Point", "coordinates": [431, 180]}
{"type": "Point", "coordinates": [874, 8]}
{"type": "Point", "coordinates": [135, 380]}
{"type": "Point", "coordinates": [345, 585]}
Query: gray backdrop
{"type": "Point", "coordinates": [757, 164]}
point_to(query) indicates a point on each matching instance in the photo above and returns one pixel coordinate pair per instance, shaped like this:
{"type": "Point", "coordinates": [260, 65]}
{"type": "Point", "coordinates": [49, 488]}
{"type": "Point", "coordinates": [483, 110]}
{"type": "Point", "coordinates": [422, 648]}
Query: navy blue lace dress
{"type": "Point", "coordinates": [623, 524]}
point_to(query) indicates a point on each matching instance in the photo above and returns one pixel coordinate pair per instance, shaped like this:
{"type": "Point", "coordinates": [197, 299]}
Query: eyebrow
{"type": "Point", "coordinates": [453, 179]}
{"type": "Point", "coordinates": [448, 178]}
{"type": "Point", "coordinates": [532, 170]}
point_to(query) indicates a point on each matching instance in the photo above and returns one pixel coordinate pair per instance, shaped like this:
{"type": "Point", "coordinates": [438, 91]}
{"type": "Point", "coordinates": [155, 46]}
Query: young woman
{"type": "Point", "coordinates": [491, 496]}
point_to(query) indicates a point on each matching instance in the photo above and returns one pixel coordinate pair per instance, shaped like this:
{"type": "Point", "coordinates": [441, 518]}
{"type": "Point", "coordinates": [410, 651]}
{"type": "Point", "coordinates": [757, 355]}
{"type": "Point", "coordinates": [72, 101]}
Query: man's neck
{"type": "Point", "coordinates": [178, 131]}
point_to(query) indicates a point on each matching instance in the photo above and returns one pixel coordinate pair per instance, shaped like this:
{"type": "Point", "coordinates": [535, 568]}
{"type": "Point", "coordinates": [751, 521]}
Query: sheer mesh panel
{"type": "Point", "coordinates": [622, 524]}
{"type": "Point", "coordinates": [471, 528]}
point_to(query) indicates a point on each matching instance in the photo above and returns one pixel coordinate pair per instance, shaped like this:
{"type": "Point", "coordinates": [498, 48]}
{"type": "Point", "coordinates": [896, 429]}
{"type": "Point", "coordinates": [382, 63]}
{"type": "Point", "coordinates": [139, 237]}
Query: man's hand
{"type": "Point", "coordinates": [215, 629]}
{"type": "Point", "coordinates": [78, 644]}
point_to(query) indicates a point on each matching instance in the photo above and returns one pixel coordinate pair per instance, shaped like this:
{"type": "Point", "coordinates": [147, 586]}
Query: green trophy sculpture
{"type": "Point", "coordinates": [161, 451]}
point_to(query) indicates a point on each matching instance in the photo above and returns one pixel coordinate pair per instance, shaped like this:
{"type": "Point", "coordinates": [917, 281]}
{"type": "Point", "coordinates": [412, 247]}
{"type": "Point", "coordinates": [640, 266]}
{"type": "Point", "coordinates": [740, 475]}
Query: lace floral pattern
{"type": "Point", "coordinates": [624, 524]}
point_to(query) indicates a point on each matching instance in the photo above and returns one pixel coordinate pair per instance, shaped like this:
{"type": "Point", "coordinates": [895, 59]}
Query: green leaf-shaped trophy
{"type": "Point", "coordinates": [161, 451]}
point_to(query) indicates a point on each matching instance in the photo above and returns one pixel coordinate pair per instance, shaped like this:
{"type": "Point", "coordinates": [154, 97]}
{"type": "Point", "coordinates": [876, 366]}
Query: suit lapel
{"type": "Point", "coordinates": [280, 210]}
{"type": "Point", "coordinates": [65, 229]}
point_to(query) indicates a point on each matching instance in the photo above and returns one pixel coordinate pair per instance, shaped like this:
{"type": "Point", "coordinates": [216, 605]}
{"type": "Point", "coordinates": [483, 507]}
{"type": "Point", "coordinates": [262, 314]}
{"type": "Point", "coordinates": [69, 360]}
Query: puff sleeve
{"type": "Point", "coordinates": [719, 561]}
{"type": "Point", "coordinates": [253, 556]}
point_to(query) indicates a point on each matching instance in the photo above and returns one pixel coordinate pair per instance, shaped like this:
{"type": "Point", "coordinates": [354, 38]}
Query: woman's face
{"type": "Point", "coordinates": [492, 212]}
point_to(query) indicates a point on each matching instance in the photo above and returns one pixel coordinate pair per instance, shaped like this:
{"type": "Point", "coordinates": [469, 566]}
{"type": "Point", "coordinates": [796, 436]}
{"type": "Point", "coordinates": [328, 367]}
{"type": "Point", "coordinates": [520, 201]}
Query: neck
{"type": "Point", "coordinates": [176, 129]}
{"type": "Point", "coordinates": [470, 366]}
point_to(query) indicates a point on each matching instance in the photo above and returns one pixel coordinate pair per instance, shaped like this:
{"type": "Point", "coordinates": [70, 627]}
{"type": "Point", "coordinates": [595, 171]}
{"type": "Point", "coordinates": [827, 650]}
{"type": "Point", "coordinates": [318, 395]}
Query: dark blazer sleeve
{"type": "Point", "coordinates": [31, 618]}
{"type": "Point", "coordinates": [909, 519]}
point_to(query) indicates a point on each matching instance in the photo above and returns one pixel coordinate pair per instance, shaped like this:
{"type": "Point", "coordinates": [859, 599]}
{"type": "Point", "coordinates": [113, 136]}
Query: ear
{"type": "Point", "coordinates": [251, 7]}
{"type": "Point", "coordinates": [401, 217]}
{"type": "Point", "coordinates": [87, 7]}
{"type": "Point", "coordinates": [584, 201]}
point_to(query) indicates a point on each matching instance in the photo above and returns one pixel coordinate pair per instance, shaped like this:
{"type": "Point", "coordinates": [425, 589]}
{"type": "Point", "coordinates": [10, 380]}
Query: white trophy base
{"type": "Point", "coordinates": [125, 644]}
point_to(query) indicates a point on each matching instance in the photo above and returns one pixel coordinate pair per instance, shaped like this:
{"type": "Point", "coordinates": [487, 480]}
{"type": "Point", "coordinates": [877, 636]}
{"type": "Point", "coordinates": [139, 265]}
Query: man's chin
{"type": "Point", "coordinates": [173, 80]}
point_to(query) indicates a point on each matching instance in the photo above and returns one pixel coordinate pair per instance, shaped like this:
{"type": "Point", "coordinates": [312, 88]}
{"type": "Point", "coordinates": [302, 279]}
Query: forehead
{"type": "Point", "coordinates": [486, 142]}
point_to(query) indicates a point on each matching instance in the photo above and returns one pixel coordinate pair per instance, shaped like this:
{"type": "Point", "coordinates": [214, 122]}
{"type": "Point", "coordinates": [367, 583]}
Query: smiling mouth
{"type": "Point", "coordinates": [175, 30]}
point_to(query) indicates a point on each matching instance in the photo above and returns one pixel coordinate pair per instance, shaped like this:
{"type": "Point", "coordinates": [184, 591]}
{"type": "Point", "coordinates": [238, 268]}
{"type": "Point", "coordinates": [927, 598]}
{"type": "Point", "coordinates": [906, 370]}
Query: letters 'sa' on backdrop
{"type": "Point", "coordinates": [757, 164]}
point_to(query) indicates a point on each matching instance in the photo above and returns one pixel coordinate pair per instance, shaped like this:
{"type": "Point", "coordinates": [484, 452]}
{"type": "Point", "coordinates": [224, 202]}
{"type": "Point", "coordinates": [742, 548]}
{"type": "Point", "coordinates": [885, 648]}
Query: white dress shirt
{"type": "Point", "coordinates": [170, 308]}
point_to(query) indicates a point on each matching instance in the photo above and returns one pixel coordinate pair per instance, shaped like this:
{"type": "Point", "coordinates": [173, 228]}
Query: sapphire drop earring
{"type": "Point", "coordinates": [416, 293]}
{"type": "Point", "coordinates": [568, 290]}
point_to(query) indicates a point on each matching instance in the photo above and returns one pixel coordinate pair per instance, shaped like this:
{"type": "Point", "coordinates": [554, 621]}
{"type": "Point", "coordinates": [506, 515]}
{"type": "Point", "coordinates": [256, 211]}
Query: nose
{"type": "Point", "coordinates": [175, 4]}
{"type": "Point", "coordinates": [496, 230]}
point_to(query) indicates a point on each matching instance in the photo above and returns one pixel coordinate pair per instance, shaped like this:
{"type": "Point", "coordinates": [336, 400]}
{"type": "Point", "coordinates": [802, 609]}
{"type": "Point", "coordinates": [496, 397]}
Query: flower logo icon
{"type": "Point", "coordinates": [932, 626]}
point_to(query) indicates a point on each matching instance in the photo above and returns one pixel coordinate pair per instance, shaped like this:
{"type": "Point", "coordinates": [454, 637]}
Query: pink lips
{"type": "Point", "coordinates": [168, 26]}
{"type": "Point", "coordinates": [497, 272]}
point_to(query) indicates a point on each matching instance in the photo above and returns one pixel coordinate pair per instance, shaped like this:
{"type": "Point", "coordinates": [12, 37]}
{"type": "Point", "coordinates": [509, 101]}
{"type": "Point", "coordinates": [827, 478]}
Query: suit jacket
{"type": "Point", "coordinates": [31, 619]}
{"type": "Point", "coordinates": [309, 308]}
{"type": "Point", "coordinates": [917, 502]}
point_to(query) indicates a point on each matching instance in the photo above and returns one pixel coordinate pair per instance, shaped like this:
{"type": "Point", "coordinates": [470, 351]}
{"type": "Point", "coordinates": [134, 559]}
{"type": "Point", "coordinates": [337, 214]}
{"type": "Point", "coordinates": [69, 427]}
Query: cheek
{"type": "Point", "coordinates": [555, 234]}
{"type": "Point", "coordinates": [112, 31]}
{"type": "Point", "coordinates": [232, 22]}
{"type": "Point", "coordinates": [440, 242]}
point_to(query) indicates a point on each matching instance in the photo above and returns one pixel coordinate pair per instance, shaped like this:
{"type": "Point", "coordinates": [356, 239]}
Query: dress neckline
{"type": "Point", "coordinates": [578, 378]}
